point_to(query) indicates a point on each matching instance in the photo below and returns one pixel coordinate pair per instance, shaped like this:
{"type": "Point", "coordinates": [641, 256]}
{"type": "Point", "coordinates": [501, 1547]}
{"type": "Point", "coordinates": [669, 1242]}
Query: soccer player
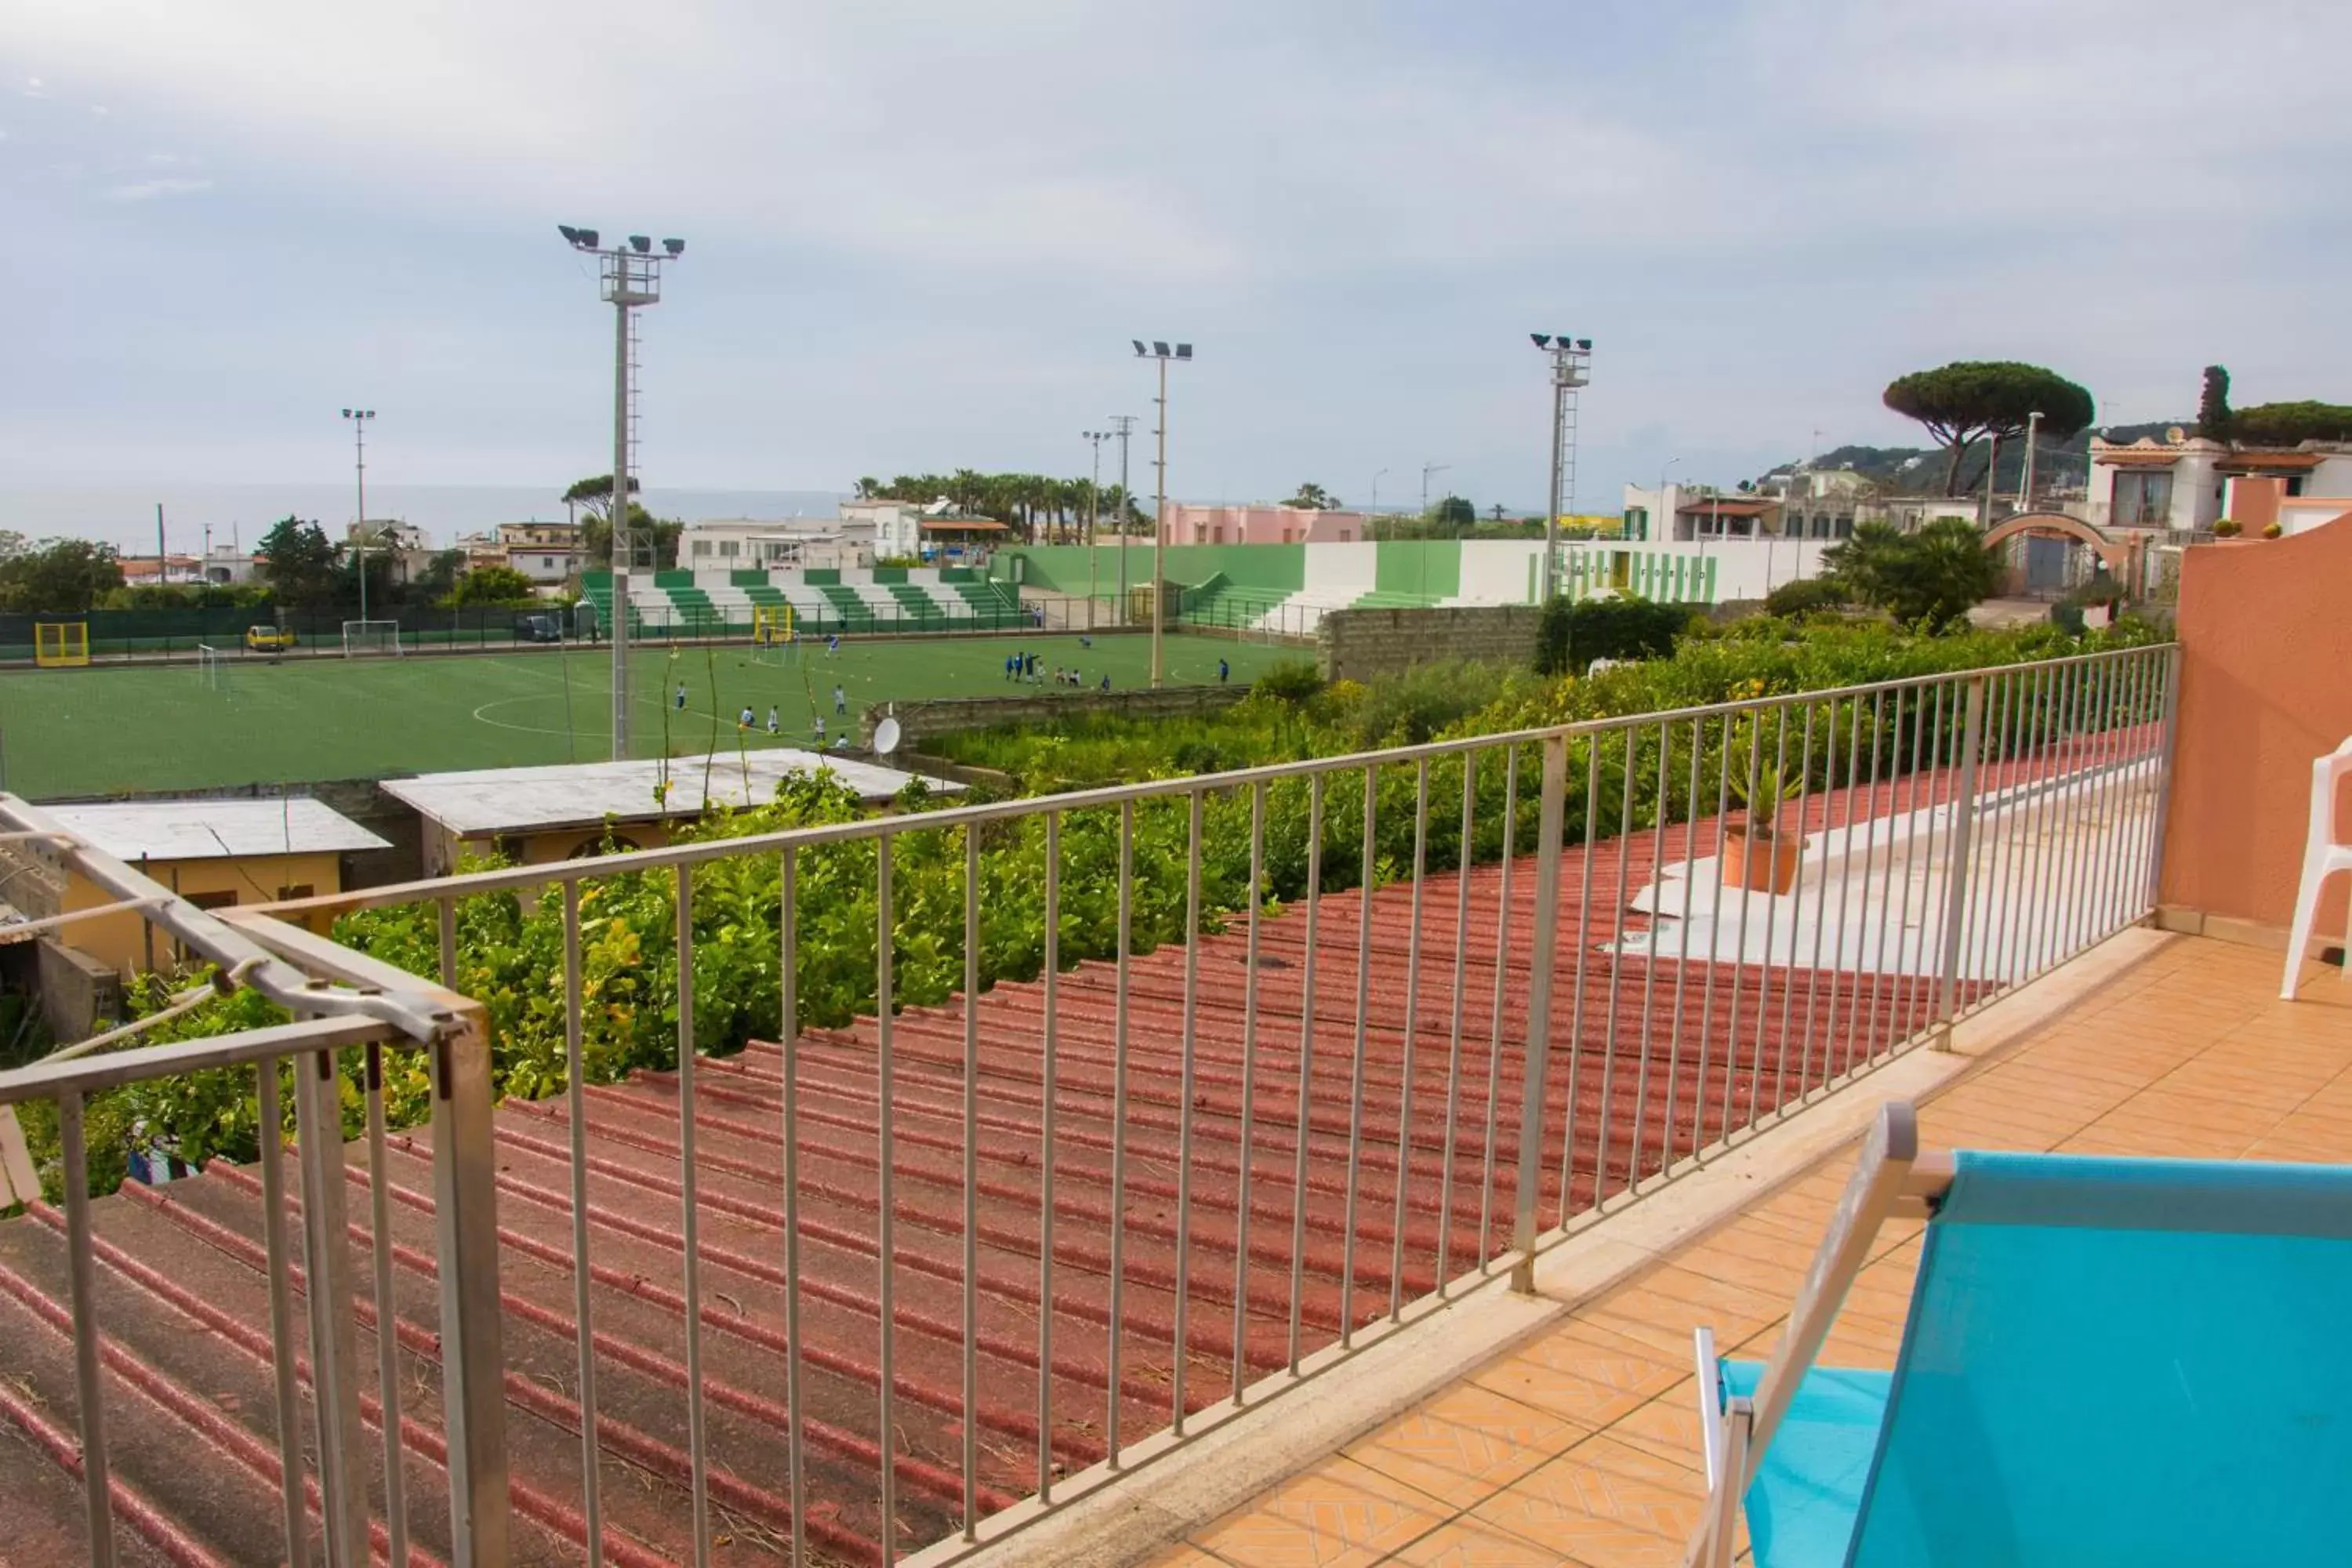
{"type": "Point", "coordinates": [820, 732]}
{"type": "Point", "coordinates": [679, 702]}
{"type": "Point", "coordinates": [840, 699]}
{"type": "Point", "coordinates": [773, 726]}
{"type": "Point", "coordinates": [1224, 672]}
{"type": "Point", "coordinates": [745, 720]}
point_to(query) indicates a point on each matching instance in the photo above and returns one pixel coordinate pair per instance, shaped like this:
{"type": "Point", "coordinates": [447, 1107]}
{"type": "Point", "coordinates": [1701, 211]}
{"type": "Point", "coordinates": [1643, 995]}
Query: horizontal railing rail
{"type": "Point", "coordinates": [904, 1178]}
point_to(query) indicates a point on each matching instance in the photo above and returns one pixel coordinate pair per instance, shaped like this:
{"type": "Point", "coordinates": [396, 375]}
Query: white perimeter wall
{"type": "Point", "coordinates": [1338, 569]}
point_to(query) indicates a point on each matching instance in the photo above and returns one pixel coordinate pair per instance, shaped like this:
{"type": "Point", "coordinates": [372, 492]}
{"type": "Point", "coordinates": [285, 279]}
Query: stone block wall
{"type": "Point", "coordinates": [1357, 645]}
{"type": "Point", "coordinates": [922, 721]}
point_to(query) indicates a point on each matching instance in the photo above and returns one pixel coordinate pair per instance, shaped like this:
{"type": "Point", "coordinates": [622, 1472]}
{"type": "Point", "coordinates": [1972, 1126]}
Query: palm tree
{"type": "Point", "coordinates": [1313, 497]}
{"type": "Point", "coordinates": [869, 488]}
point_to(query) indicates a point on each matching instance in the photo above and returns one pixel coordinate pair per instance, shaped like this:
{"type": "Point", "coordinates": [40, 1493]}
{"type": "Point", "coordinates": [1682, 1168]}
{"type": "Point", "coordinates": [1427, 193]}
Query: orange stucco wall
{"type": "Point", "coordinates": [2266, 685]}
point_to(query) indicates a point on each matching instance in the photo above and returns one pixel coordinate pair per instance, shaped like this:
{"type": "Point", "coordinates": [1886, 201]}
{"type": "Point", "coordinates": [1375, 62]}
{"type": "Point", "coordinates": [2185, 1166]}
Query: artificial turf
{"type": "Point", "coordinates": [112, 729]}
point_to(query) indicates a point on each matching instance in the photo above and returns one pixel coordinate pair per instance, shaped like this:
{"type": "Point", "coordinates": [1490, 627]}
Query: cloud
{"type": "Point", "coordinates": [154, 190]}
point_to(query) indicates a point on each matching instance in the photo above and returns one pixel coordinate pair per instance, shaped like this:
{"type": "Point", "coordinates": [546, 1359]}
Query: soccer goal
{"type": "Point", "coordinates": [773, 641]}
{"type": "Point", "coordinates": [370, 637]}
{"type": "Point", "coordinates": [60, 644]}
{"type": "Point", "coordinates": [212, 668]}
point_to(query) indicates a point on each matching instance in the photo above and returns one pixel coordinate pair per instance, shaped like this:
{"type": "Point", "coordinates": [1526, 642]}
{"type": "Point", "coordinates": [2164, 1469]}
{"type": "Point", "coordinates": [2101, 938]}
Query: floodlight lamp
{"type": "Point", "coordinates": [1139, 346]}
{"type": "Point", "coordinates": [571, 235]}
{"type": "Point", "coordinates": [1542, 340]}
{"type": "Point", "coordinates": [347, 414]}
{"type": "Point", "coordinates": [1183, 351]}
{"type": "Point", "coordinates": [585, 238]}
{"type": "Point", "coordinates": [675, 247]}
{"type": "Point", "coordinates": [1584, 345]}
{"type": "Point", "coordinates": [642, 244]}
{"type": "Point", "coordinates": [1159, 349]}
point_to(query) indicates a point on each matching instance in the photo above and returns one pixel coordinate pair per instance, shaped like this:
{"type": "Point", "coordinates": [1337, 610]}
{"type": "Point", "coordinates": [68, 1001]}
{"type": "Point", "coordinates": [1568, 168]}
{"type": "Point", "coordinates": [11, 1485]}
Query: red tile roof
{"type": "Point", "coordinates": [182, 1269]}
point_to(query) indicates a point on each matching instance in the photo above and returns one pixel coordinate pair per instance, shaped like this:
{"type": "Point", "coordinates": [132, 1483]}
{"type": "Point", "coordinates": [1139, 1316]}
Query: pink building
{"type": "Point", "coordinates": [1261, 525]}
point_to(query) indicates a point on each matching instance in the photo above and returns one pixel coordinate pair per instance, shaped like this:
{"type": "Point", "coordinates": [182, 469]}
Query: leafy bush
{"type": "Point", "coordinates": [1571, 635]}
{"type": "Point", "coordinates": [2273, 530]}
{"type": "Point", "coordinates": [1293, 680]}
{"type": "Point", "coordinates": [2067, 615]}
{"type": "Point", "coordinates": [2226, 528]}
{"type": "Point", "coordinates": [1806, 597]}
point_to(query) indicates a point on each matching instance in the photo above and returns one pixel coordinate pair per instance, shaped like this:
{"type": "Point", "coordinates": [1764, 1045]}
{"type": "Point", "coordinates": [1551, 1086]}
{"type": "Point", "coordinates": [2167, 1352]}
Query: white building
{"type": "Point", "coordinates": [902, 529]}
{"type": "Point", "coordinates": [2186, 485]}
{"type": "Point", "coordinates": [755, 544]}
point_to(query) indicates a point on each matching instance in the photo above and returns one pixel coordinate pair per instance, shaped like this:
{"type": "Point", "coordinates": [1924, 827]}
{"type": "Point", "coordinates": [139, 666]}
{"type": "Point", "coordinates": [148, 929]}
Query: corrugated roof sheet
{"type": "Point", "coordinates": [216, 829]}
{"type": "Point", "coordinates": [512, 800]}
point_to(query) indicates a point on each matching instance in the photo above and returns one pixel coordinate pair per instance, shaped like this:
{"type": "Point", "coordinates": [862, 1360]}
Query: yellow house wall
{"type": "Point", "coordinates": [119, 940]}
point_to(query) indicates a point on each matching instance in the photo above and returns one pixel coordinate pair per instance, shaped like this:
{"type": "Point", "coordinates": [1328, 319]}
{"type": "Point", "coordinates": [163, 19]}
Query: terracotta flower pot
{"type": "Point", "coordinates": [1765, 863]}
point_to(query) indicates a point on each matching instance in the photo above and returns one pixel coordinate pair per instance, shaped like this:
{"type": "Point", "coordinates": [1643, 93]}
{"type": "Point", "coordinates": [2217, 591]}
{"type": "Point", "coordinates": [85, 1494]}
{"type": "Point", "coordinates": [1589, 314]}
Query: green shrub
{"type": "Point", "coordinates": [2227, 528]}
{"type": "Point", "coordinates": [1294, 680]}
{"type": "Point", "coordinates": [1806, 597]}
{"type": "Point", "coordinates": [1571, 635]}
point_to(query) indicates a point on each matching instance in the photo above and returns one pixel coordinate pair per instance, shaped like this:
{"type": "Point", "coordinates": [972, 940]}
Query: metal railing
{"type": "Point", "coordinates": [1032, 1187]}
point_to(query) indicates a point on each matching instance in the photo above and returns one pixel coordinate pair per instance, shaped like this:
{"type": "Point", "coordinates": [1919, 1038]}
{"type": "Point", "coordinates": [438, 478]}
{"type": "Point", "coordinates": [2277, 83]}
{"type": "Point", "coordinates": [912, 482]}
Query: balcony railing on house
{"type": "Point", "coordinates": [1026, 1142]}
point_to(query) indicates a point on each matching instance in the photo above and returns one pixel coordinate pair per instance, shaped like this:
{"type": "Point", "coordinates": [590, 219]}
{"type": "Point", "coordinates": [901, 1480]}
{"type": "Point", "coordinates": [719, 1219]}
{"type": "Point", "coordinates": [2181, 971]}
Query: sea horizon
{"type": "Point", "coordinates": [125, 515]}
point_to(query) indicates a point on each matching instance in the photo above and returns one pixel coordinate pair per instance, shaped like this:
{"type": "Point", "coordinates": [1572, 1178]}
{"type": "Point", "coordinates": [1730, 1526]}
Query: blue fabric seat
{"type": "Point", "coordinates": [2105, 1362]}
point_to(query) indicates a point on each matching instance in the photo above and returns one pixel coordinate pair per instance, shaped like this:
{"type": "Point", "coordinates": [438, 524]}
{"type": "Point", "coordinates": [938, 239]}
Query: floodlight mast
{"type": "Point", "coordinates": [1571, 365]}
{"type": "Point", "coordinates": [629, 277]}
{"type": "Point", "coordinates": [1159, 350]}
{"type": "Point", "coordinates": [358, 418]}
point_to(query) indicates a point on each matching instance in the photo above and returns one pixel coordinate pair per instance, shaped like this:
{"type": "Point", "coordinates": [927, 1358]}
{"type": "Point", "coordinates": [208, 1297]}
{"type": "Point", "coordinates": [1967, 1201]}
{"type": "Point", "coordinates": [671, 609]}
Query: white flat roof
{"type": "Point", "coordinates": [580, 794]}
{"type": "Point", "coordinates": [214, 829]}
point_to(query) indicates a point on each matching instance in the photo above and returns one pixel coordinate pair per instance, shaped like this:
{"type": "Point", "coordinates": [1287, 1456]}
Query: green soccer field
{"type": "Point", "coordinates": [106, 730]}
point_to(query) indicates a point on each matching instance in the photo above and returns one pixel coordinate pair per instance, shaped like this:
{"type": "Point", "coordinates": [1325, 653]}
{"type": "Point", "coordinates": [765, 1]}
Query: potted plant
{"type": "Point", "coordinates": [1759, 855]}
{"type": "Point", "coordinates": [2227, 528]}
{"type": "Point", "coordinates": [2273, 529]}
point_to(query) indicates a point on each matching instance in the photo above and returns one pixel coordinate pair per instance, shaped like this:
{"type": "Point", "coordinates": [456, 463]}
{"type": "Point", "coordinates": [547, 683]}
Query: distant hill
{"type": "Point", "coordinates": [1914, 469]}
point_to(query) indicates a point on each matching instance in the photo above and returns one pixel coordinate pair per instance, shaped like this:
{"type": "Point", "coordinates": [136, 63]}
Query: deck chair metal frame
{"type": "Point", "coordinates": [1894, 1179]}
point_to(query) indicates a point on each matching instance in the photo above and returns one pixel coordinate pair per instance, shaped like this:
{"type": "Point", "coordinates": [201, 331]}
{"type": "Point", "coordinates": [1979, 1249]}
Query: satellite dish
{"type": "Point", "coordinates": [886, 737]}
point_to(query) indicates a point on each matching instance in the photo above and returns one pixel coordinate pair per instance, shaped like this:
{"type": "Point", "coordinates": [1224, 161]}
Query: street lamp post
{"type": "Point", "coordinates": [2025, 478]}
{"type": "Point", "coordinates": [1572, 366]}
{"type": "Point", "coordinates": [1159, 350]}
{"type": "Point", "coordinates": [1094, 439]}
{"type": "Point", "coordinates": [1372, 513]}
{"type": "Point", "coordinates": [1666, 521]}
{"type": "Point", "coordinates": [358, 418]}
{"type": "Point", "coordinates": [1427, 469]}
{"type": "Point", "coordinates": [1126, 423]}
{"type": "Point", "coordinates": [629, 277]}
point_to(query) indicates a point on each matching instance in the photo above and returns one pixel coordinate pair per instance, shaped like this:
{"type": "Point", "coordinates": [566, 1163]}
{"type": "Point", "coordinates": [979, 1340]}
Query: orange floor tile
{"type": "Point", "coordinates": [1581, 1448]}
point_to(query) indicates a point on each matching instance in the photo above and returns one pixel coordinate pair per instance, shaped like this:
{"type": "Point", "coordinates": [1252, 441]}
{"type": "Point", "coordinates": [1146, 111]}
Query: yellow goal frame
{"type": "Point", "coordinates": [58, 645]}
{"type": "Point", "coordinates": [771, 624]}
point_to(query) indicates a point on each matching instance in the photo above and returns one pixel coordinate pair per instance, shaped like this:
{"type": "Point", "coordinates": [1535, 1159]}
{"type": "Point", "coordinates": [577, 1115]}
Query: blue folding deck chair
{"type": "Point", "coordinates": [2107, 1361]}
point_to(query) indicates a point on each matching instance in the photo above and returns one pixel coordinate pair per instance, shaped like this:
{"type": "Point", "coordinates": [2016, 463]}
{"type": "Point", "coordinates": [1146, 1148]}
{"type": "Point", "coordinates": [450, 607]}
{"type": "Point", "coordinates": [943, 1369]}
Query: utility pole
{"type": "Point", "coordinates": [1126, 423]}
{"type": "Point", "coordinates": [358, 418]}
{"type": "Point", "coordinates": [2025, 478]}
{"type": "Point", "coordinates": [1372, 513]}
{"type": "Point", "coordinates": [1159, 350]}
{"type": "Point", "coordinates": [159, 545]}
{"type": "Point", "coordinates": [1094, 439]}
{"type": "Point", "coordinates": [1572, 361]}
{"type": "Point", "coordinates": [1427, 469]}
{"type": "Point", "coordinates": [628, 278]}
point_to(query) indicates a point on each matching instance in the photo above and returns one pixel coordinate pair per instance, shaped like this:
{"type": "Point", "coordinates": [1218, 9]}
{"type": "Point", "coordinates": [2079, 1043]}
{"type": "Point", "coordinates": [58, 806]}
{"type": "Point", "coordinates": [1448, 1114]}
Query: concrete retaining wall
{"type": "Point", "coordinates": [1357, 645]}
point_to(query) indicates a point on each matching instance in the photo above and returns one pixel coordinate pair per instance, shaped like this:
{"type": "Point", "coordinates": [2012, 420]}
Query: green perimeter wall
{"type": "Point", "coordinates": [1062, 568]}
{"type": "Point", "coordinates": [1430, 567]}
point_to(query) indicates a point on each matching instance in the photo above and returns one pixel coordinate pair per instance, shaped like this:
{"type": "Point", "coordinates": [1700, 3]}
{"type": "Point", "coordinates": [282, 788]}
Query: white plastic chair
{"type": "Point", "coordinates": [2324, 854]}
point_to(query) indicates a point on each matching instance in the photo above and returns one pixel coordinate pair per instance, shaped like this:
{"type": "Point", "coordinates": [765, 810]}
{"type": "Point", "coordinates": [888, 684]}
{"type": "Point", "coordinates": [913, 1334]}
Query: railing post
{"type": "Point", "coordinates": [1955, 865]}
{"type": "Point", "coordinates": [1550, 816]}
{"type": "Point", "coordinates": [328, 1280]}
{"type": "Point", "coordinates": [2169, 744]}
{"type": "Point", "coordinates": [466, 1233]}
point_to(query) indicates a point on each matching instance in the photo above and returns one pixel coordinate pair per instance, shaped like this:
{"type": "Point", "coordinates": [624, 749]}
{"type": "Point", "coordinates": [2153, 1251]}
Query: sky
{"type": "Point", "coordinates": [920, 236]}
